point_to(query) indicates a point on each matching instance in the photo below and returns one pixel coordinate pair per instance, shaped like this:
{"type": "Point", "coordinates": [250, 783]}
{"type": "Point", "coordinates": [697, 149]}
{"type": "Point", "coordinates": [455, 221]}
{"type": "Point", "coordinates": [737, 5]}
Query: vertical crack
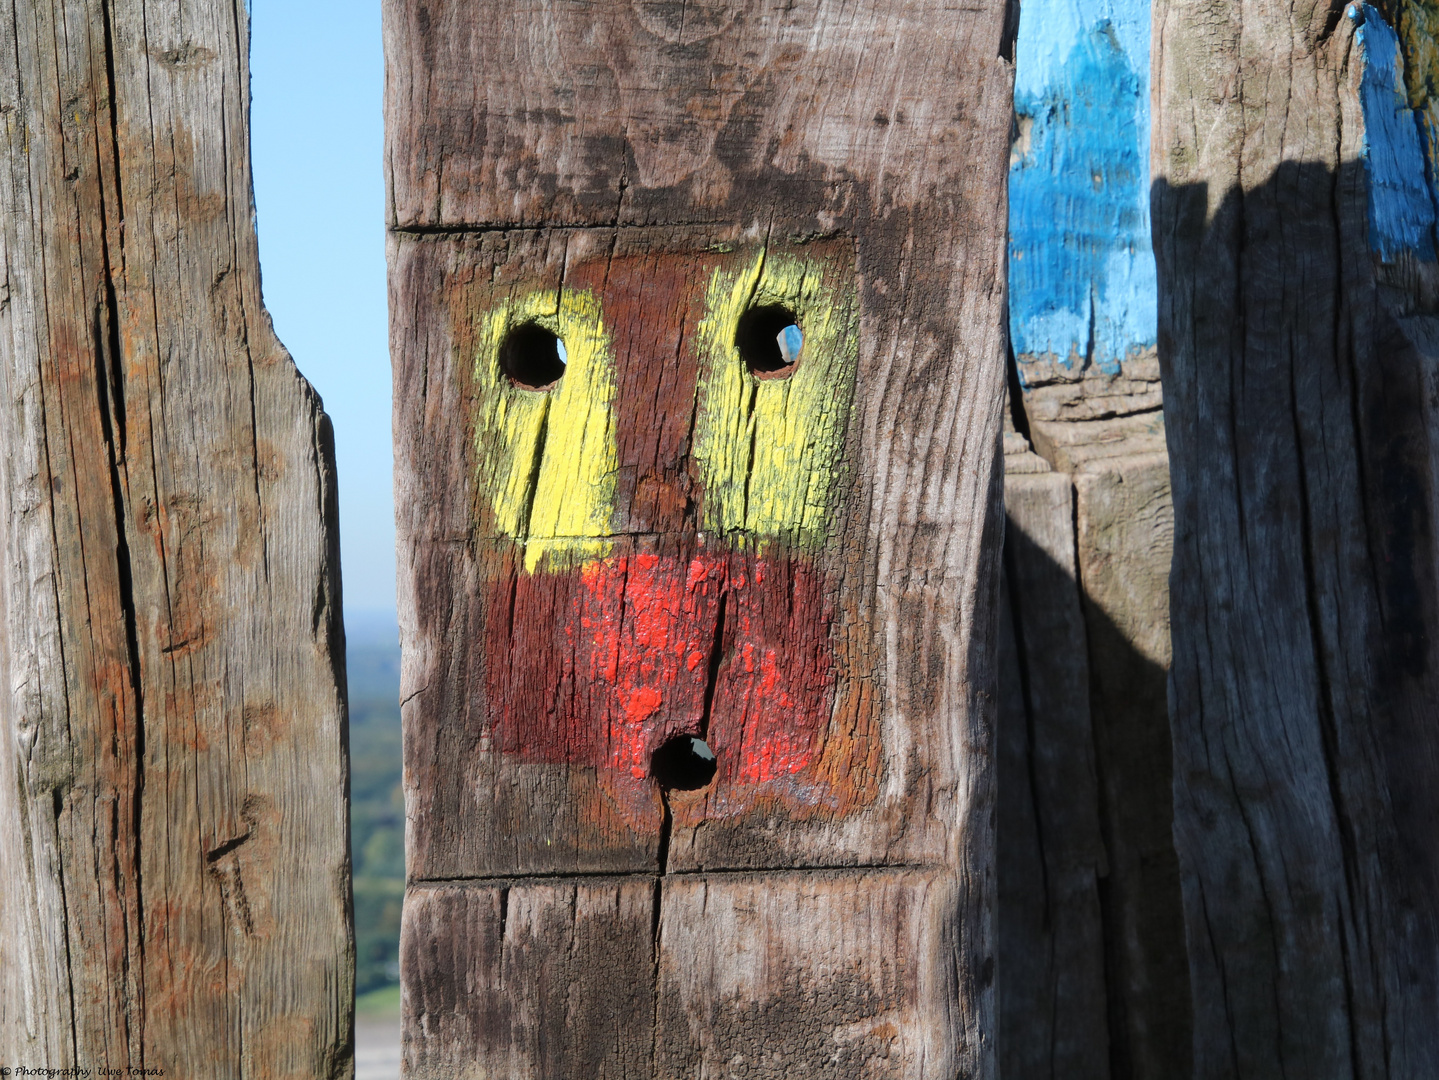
{"type": "Point", "coordinates": [1009, 30]}
{"type": "Point", "coordinates": [110, 394]}
{"type": "Point", "coordinates": [666, 827]}
{"type": "Point", "coordinates": [711, 679]}
{"type": "Point", "coordinates": [712, 672]}
{"type": "Point", "coordinates": [108, 21]}
{"type": "Point", "coordinates": [533, 483]}
{"type": "Point", "coordinates": [656, 905]}
{"type": "Point", "coordinates": [753, 386]}
{"type": "Point", "coordinates": [504, 922]}
{"type": "Point", "coordinates": [57, 802]}
{"type": "Point", "coordinates": [1328, 711]}
{"type": "Point", "coordinates": [1017, 619]}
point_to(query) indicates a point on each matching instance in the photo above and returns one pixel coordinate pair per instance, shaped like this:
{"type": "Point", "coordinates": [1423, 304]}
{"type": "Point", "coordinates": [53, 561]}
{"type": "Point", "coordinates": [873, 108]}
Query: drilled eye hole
{"type": "Point", "coordinates": [533, 357]}
{"type": "Point", "coordinates": [769, 340]}
{"type": "Point", "coordinates": [683, 763]}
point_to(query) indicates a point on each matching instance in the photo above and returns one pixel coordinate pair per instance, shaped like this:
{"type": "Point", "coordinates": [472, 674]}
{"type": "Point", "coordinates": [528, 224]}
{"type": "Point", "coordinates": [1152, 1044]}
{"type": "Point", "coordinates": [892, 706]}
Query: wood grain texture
{"type": "Point", "coordinates": [1124, 530]}
{"type": "Point", "coordinates": [531, 978]}
{"type": "Point", "coordinates": [800, 569]}
{"type": "Point", "coordinates": [1087, 392]}
{"type": "Point", "coordinates": [837, 974]}
{"type": "Point", "coordinates": [1053, 996]}
{"type": "Point", "coordinates": [1090, 918]}
{"type": "Point", "coordinates": [1301, 446]}
{"type": "Point", "coordinates": [173, 856]}
{"type": "Point", "coordinates": [544, 113]}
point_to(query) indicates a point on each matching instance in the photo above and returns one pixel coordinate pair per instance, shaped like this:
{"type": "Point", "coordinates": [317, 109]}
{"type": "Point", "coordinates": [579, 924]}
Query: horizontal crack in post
{"type": "Point", "coordinates": [648, 875]}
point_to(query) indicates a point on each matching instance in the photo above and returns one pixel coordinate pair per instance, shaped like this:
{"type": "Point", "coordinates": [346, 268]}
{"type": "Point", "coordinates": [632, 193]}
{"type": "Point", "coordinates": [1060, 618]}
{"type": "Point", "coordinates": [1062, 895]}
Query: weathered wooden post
{"type": "Point", "coordinates": [174, 874]}
{"type": "Point", "coordinates": [642, 521]}
{"type": "Point", "coordinates": [1093, 977]}
{"type": "Point", "coordinates": [1294, 217]}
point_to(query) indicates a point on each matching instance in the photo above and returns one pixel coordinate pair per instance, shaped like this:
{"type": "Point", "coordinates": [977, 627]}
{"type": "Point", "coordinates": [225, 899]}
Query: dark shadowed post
{"type": "Point", "coordinates": [1294, 225]}
{"type": "Point", "coordinates": [697, 326]}
{"type": "Point", "coordinates": [174, 877]}
{"type": "Point", "coordinates": [1093, 978]}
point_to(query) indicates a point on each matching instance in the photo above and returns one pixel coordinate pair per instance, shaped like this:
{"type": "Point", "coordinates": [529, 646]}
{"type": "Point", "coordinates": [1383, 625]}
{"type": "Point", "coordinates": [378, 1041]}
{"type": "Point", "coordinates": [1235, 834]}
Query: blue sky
{"type": "Point", "coordinates": [316, 76]}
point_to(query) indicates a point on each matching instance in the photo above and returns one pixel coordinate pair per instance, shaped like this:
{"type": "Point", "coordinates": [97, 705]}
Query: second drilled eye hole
{"type": "Point", "coordinates": [534, 358]}
{"type": "Point", "coordinates": [769, 341]}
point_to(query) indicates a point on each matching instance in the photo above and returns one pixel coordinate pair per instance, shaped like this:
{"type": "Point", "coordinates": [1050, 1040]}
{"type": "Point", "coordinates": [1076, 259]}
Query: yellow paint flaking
{"type": "Point", "coordinates": [769, 449]}
{"type": "Point", "coordinates": [563, 510]}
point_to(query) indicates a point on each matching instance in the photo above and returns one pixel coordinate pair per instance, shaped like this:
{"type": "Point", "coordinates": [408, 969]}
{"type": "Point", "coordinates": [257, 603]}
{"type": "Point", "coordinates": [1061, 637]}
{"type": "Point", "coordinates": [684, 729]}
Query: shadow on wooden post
{"type": "Point", "coordinates": [1093, 974]}
{"type": "Point", "coordinates": [1306, 655]}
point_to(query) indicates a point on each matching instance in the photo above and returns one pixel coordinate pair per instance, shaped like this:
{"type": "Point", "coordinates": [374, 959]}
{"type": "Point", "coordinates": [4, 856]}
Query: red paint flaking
{"type": "Point", "coordinates": [625, 667]}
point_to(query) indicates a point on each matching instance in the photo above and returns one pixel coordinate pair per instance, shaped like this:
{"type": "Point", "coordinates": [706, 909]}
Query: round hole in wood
{"type": "Point", "coordinates": [769, 341]}
{"type": "Point", "coordinates": [533, 357]}
{"type": "Point", "coordinates": [683, 763]}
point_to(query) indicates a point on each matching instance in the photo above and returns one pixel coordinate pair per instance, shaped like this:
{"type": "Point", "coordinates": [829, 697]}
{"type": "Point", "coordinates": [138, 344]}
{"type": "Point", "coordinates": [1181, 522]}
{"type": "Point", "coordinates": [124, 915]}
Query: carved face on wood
{"type": "Point", "coordinates": [659, 441]}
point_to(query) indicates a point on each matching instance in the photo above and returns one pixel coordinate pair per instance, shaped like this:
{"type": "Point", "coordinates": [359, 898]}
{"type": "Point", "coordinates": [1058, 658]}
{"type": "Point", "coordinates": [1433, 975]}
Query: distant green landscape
{"type": "Point", "coordinates": [377, 801]}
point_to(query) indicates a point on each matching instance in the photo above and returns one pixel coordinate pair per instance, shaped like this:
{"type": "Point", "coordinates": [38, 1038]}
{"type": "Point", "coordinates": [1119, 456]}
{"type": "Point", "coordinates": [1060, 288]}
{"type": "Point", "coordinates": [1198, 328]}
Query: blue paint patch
{"type": "Point", "coordinates": [1401, 196]}
{"type": "Point", "coordinates": [1081, 264]}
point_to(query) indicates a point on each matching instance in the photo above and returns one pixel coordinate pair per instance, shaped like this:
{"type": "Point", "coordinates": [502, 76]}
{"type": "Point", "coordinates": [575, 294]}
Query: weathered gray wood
{"type": "Point", "coordinates": [1124, 529]}
{"type": "Point", "coordinates": [1053, 1008]}
{"type": "Point", "coordinates": [834, 974]}
{"type": "Point", "coordinates": [603, 167]}
{"type": "Point", "coordinates": [1095, 536]}
{"type": "Point", "coordinates": [1293, 318]}
{"type": "Point", "coordinates": [173, 848]}
{"type": "Point", "coordinates": [1093, 923]}
{"type": "Point", "coordinates": [491, 967]}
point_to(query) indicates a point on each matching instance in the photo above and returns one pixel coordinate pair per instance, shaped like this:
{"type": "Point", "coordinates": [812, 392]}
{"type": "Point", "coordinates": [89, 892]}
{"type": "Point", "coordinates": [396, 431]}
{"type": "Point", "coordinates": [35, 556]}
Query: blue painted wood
{"type": "Point", "coordinates": [1401, 191]}
{"type": "Point", "coordinates": [1081, 271]}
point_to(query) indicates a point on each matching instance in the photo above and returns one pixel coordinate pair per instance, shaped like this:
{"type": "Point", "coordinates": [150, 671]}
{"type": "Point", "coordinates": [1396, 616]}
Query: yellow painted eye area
{"type": "Point", "coordinates": [778, 349]}
{"type": "Point", "coordinates": [769, 341]}
{"type": "Point", "coordinates": [533, 356]}
{"type": "Point", "coordinates": [768, 369]}
{"type": "Point", "coordinates": [547, 459]}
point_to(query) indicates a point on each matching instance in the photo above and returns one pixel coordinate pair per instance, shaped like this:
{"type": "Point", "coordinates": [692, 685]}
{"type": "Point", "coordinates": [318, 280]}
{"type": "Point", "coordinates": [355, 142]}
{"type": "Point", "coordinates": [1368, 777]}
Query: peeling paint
{"type": "Point", "coordinates": [1081, 266]}
{"type": "Point", "coordinates": [610, 630]}
{"type": "Point", "coordinates": [1401, 192]}
{"type": "Point", "coordinates": [769, 449]}
{"type": "Point", "coordinates": [560, 510]}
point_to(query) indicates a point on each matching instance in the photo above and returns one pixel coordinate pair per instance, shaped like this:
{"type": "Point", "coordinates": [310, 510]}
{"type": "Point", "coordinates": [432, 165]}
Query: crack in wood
{"type": "Point", "coordinates": [218, 852]}
{"type": "Point", "coordinates": [463, 228]}
{"type": "Point", "coordinates": [510, 880]}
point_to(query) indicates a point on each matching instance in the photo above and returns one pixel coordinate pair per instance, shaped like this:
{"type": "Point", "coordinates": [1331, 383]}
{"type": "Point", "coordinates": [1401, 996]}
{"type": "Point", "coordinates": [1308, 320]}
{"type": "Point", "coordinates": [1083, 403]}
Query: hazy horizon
{"type": "Point", "coordinates": [317, 73]}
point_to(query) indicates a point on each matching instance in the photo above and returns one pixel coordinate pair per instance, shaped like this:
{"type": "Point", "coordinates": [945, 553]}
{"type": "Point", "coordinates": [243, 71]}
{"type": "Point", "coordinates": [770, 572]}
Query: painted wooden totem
{"type": "Point", "coordinates": [697, 325]}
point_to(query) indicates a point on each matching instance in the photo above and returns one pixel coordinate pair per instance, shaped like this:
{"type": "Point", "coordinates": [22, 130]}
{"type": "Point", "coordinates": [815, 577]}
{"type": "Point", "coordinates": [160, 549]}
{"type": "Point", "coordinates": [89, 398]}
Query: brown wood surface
{"type": "Point", "coordinates": [1298, 383]}
{"type": "Point", "coordinates": [833, 974]}
{"type": "Point", "coordinates": [173, 848]}
{"type": "Point", "coordinates": [490, 967]}
{"type": "Point", "coordinates": [620, 158]}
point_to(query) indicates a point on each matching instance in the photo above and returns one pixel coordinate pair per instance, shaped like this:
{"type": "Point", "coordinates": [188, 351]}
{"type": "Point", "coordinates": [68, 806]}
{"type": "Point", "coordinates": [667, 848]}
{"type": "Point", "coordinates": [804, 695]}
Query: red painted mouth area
{"type": "Point", "coordinates": [600, 665]}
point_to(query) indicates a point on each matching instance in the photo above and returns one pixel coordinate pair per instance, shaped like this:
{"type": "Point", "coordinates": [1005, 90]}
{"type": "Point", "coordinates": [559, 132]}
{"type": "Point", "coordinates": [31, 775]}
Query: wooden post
{"type": "Point", "coordinates": [1295, 230]}
{"type": "Point", "coordinates": [630, 519]}
{"type": "Point", "coordinates": [1093, 979]}
{"type": "Point", "coordinates": [174, 874]}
